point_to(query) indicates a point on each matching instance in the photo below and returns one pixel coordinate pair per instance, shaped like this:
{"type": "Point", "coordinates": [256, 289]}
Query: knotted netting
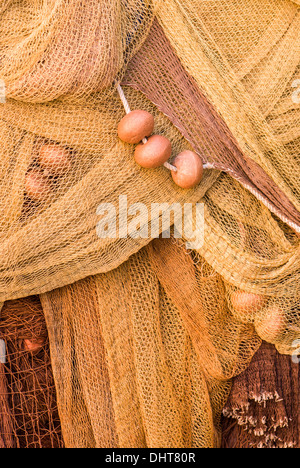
{"type": "Point", "coordinates": [144, 335]}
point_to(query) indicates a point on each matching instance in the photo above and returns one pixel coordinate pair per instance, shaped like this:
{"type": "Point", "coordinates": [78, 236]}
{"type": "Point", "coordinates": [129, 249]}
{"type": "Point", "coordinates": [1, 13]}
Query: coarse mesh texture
{"type": "Point", "coordinates": [195, 117]}
{"type": "Point", "coordinates": [164, 376]}
{"type": "Point", "coordinates": [28, 408]}
{"type": "Point", "coordinates": [144, 345]}
{"type": "Point", "coordinates": [263, 408]}
{"type": "Point", "coordinates": [99, 174]}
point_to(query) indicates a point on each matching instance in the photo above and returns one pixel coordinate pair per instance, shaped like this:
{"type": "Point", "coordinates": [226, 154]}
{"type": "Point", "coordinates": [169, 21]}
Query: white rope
{"type": "Point", "coordinates": [208, 166]}
{"type": "Point", "coordinates": [257, 195]}
{"type": "Point", "coordinates": [2, 352]}
{"type": "Point", "coordinates": [123, 99]}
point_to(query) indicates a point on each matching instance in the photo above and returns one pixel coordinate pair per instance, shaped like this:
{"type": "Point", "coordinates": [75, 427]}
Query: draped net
{"type": "Point", "coordinates": [143, 336]}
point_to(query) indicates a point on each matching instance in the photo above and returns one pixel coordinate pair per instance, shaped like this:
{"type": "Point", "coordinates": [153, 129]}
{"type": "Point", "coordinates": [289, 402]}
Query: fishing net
{"type": "Point", "coordinates": [261, 409]}
{"type": "Point", "coordinates": [29, 414]}
{"type": "Point", "coordinates": [145, 335]}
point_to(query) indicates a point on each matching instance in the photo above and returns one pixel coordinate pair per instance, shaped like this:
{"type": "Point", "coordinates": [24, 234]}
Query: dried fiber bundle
{"type": "Point", "coordinates": [263, 408]}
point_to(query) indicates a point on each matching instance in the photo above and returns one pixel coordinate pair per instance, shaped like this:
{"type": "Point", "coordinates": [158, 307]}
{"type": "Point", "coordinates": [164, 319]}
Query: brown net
{"type": "Point", "coordinates": [145, 336]}
{"type": "Point", "coordinates": [263, 408]}
{"type": "Point", "coordinates": [29, 415]}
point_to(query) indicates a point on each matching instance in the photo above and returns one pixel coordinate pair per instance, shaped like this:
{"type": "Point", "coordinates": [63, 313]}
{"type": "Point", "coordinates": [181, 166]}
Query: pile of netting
{"type": "Point", "coordinates": [28, 408]}
{"type": "Point", "coordinates": [145, 335]}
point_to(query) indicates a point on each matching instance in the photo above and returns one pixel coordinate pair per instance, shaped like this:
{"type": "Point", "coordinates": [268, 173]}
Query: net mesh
{"type": "Point", "coordinates": [29, 415]}
{"type": "Point", "coordinates": [263, 401]}
{"type": "Point", "coordinates": [145, 336]}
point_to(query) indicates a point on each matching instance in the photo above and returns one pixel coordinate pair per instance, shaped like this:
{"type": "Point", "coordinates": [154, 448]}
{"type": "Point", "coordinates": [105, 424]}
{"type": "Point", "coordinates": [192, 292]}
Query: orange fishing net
{"type": "Point", "coordinates": [29, 415]}
{"type": "Point", "coordinates": [145, 336]}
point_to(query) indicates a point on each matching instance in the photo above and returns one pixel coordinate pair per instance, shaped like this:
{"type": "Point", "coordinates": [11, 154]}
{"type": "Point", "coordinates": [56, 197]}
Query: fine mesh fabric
{"type": "Point", "coordinates": [144, 334]}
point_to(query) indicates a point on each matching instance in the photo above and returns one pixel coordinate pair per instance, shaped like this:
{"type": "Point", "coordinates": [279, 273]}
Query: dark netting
{"type": "Point", "coordinates": [28, 408]}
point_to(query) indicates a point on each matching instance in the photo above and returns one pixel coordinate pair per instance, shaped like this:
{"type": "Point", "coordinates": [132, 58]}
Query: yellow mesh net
{"type": "Point", "coordinates": [145, 335]}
